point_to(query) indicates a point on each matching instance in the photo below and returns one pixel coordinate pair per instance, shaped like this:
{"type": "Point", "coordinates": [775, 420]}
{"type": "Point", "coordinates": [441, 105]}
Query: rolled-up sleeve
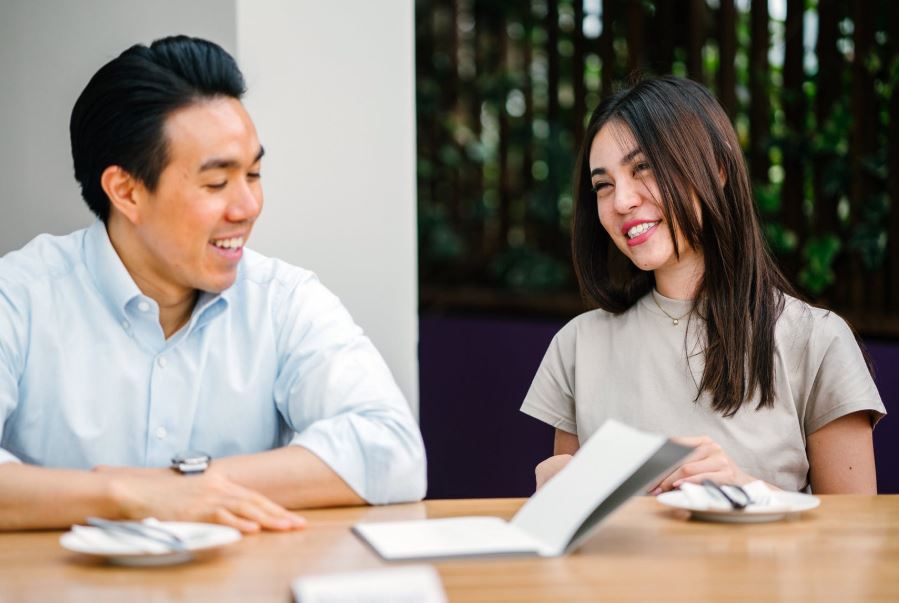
{"type": "Point", "coordinates": [8, 398]}
{"type": "Point", "coordinates": [11, 327]}
{"type": "Point", "coordinates": [338, 395]}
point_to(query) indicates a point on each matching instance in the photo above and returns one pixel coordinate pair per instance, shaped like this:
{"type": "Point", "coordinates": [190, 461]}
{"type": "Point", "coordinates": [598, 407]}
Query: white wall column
{"type": "Point", "coordinates": [331, 89]}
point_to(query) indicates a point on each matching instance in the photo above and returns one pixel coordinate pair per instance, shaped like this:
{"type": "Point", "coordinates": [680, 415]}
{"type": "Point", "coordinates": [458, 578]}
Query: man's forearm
{"type": "Point", "coordinates": [291, 476]}
{"type": "Point", "coordinates": [36, 497]}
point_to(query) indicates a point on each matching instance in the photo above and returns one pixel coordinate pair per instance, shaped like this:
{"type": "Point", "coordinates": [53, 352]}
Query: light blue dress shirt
{"type": "Point", "coordinates": [87, 377]}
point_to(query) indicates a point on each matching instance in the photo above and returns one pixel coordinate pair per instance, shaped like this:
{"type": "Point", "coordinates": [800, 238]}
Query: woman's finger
{"type": "Point", "coordinates": [699, 455]}
{"type": "Point", "coordinates": [719, 477]}
{"type": "Point", "coordinates": [687, 471]}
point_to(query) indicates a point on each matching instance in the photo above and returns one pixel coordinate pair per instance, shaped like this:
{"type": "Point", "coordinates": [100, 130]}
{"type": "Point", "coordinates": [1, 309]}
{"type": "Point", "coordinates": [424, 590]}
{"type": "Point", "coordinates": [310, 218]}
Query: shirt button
{"type": "Point", "coordinates": [161, 432]}
{"type": "Point", "coordinates": [143, 306]}
{"type": "Point", "coordinates": [126, 325]}
{"type": "Point", "coordinates": [161, 361]}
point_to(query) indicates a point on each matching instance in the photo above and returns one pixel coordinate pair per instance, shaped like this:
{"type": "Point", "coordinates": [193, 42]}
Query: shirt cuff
{"type": "Point", "coordinates": [8, 457]}
{"type": "Point", "coordinates": [378, 462]}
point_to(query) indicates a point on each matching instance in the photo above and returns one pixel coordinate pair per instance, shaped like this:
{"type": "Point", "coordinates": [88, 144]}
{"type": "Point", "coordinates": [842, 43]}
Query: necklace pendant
{"type": "Point", "coordinates": [674, 321]}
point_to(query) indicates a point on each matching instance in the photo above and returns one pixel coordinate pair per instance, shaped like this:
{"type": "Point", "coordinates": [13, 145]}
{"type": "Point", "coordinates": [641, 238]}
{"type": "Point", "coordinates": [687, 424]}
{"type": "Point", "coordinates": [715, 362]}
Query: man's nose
{"type": "Point", "coordinates": [246, 204]}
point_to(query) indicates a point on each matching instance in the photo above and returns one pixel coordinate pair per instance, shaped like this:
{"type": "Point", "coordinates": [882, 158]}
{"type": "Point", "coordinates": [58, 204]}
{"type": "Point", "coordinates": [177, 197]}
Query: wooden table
{"type": "Point", "coordinates": [846, 550]}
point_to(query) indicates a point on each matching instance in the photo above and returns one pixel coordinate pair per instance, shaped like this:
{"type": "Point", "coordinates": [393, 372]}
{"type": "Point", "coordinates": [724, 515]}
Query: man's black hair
{"type": "Point", "coordinates": [120, 116]}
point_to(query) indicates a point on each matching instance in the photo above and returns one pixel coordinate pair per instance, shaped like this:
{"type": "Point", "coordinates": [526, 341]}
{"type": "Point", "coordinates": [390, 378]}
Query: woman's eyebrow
{"type": "Point", "coordinates": [600, 171]}
{"type": "Point", "coordinates": [630, 156]}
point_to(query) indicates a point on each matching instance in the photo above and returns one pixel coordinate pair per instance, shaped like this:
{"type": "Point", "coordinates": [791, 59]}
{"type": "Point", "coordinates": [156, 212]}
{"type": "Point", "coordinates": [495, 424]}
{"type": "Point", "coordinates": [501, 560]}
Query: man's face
{"type": "Point", "coordinates": [192, 229]}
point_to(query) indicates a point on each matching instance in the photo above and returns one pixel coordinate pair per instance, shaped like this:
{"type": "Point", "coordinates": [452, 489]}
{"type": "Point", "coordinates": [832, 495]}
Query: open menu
{"type": "Point", "coordinates": [616, 463]}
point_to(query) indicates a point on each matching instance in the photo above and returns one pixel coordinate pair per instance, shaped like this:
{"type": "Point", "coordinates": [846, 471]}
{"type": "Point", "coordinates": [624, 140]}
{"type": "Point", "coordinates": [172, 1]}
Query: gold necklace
{"type": "Point", "coordinates": [675, 320]}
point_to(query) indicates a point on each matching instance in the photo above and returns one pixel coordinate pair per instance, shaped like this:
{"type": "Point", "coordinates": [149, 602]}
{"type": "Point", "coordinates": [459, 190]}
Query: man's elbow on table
{"type": "Point", "coordinates": [396, 473]}
{"type": "Point", "coordinates": [380, 456]}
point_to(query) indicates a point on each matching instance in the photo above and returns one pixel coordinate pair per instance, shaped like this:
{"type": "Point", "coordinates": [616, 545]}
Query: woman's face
{"type": "Point", "coordinates": [627, 200]}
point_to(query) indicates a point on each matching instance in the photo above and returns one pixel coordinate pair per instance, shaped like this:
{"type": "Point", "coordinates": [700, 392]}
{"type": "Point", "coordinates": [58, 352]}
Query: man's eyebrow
{"type": "Point", "coordinates": [624, 161]}
{"type": "Point", "coordinates": [217, 163]}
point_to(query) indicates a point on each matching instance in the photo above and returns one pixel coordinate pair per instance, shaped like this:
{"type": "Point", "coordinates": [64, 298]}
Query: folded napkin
{"type": "Point", "coordinates": [117, 543]}
{"type": "Point", "coordinates": [762, 498]}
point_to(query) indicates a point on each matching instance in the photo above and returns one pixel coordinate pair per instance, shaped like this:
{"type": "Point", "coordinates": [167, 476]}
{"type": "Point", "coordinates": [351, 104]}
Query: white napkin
{"type": "Point", "coordinates": [419, 583]}
{"type": "Point", "coordinates": [117, 543]}
{"type": "Point", "coordinates": [763, 499]}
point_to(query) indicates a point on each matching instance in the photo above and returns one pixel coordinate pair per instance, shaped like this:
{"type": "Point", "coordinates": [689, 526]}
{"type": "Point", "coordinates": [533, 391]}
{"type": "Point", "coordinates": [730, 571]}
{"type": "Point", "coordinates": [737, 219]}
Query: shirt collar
{"type": "Point", "coordinates": [118, 288]}
{"type": "Point", "coordinates": [106, 268]}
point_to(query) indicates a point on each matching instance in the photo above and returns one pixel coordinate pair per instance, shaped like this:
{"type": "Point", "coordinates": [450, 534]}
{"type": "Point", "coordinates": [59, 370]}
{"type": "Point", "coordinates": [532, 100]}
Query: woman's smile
{"type": "Point", "coordinates": [639, 231]}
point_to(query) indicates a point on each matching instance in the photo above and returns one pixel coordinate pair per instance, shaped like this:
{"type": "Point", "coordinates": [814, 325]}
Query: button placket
{"type": "Point", "coordinates": [165, 432]}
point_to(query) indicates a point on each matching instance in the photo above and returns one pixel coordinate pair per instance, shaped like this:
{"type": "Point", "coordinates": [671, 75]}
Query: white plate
{"type": "Point", "coordinates": [787, 502]}
{"type": "Point", "coordinates": [126, 549]}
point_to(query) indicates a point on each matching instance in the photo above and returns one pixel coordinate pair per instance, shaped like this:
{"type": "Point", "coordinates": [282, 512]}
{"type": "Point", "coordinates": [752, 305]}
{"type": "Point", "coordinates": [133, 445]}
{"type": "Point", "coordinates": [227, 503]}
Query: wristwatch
{"type": "Point", "coordinates": [191, 462]}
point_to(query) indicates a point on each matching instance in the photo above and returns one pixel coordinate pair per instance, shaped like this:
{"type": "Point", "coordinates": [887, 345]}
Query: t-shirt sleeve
{"type": "Point", "coordinates": [551, 395]}
{"type": "Point", "coordinates": [842, 383]}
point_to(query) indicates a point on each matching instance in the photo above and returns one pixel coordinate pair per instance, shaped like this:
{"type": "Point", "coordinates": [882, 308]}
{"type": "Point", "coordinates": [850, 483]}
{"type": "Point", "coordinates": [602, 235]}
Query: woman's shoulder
{"type": "Point", "coordinates": [591, 325]}
{"type": "Point", "coordinates": [808, 326]}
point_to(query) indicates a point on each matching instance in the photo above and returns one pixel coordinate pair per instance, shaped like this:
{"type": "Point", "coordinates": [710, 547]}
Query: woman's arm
{"type": "Point", "coordinates": [841, 456]}
{"type": "Point", "coordinates": [564, 445]}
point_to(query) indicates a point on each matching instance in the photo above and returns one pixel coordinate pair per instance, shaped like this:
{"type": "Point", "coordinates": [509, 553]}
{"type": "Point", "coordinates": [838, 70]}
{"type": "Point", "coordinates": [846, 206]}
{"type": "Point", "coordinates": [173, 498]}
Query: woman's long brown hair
{"type": "Point", "coordinates": [690, 144]}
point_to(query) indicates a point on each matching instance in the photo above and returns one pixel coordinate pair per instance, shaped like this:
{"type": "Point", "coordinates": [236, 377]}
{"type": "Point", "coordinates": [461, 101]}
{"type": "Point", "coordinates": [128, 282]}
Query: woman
{"type": "Point", "coordinates": [697, 336]}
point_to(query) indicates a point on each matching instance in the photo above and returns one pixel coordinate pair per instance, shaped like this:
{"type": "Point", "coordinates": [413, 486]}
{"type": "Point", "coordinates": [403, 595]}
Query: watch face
{"type": "Point", "coordinates": [192, 461]}
{"type": "Point", "coordinates": [191, 456]}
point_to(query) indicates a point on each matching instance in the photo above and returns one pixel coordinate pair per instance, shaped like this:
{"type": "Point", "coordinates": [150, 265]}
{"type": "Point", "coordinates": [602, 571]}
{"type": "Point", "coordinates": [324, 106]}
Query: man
{"type": "Point", "coordinates": [127, 347]}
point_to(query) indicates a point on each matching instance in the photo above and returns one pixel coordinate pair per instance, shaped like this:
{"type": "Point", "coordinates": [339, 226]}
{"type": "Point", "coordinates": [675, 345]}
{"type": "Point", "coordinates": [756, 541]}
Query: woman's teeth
{"type": "Point", "coordinates": [234, 243]}
{"type": "Point", "coordinates": [639, 229]}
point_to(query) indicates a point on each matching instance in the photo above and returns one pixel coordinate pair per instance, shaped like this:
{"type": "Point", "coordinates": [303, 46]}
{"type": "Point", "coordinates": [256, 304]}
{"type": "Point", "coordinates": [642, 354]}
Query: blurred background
{"type": "Point", "coordinates": [462, 118]}
{"type": "Point", "coordinates": [503, 93]}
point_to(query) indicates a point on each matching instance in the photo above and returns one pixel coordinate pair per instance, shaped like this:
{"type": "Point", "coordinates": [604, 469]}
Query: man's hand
{"type": "Point", "coordinates": [548, 468]}
{"type": "Point", "coordinates": [210, 497]}
{"type": "Point", "coordinates": [707, 461]}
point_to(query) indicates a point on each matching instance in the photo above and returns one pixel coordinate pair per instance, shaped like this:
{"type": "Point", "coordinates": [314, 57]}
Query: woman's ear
{"type": "Point", "coordinates": [125, 192]}
{"type": "Point", "coordinates": [722, 176]}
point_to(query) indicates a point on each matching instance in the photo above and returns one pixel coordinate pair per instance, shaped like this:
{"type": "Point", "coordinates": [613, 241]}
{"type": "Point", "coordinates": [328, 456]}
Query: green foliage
{"type": "Point", "coordinates": [438, 242]}
{"type": "Point", "coordinates": [782, 240]}
{"type": "Point", "coordinates": [869, 239]}
{"type": "Point", "coordinates": [819, 254]}
{"type": "Point", "coordinates": [496, 155]}
{"type": "Point", "coordinates": [528, 269]}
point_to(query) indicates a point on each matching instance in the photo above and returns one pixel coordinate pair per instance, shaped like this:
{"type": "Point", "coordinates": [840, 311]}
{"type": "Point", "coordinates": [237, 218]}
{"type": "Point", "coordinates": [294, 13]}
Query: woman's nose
{"type": "Point", "coordinates": [627, 196]}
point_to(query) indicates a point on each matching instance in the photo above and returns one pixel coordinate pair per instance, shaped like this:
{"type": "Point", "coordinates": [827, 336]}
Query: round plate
{"type": "Point", "coordinates": [201, 539]}
{"type": "Point", "coordinates": [788, 502]}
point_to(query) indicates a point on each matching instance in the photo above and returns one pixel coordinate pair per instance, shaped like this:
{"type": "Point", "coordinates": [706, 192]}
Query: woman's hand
{"type": "Point", "coordinates": [707, 461]}
{"type": "Point", "coordinates": [548, 468]}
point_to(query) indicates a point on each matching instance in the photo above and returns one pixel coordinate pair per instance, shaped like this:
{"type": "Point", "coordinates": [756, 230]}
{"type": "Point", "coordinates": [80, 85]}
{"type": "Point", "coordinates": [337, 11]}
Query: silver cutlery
{"type": "Point", "coordinates": [147, 531]}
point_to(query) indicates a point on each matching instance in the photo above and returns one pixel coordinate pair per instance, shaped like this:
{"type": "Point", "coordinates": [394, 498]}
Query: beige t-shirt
{"type": "Point", "coordinates": [634, 367]}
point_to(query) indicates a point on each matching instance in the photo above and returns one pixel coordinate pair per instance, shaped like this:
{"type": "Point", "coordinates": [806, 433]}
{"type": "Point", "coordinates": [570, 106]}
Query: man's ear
{"type": "Point", "coordinates": [126, 193]}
